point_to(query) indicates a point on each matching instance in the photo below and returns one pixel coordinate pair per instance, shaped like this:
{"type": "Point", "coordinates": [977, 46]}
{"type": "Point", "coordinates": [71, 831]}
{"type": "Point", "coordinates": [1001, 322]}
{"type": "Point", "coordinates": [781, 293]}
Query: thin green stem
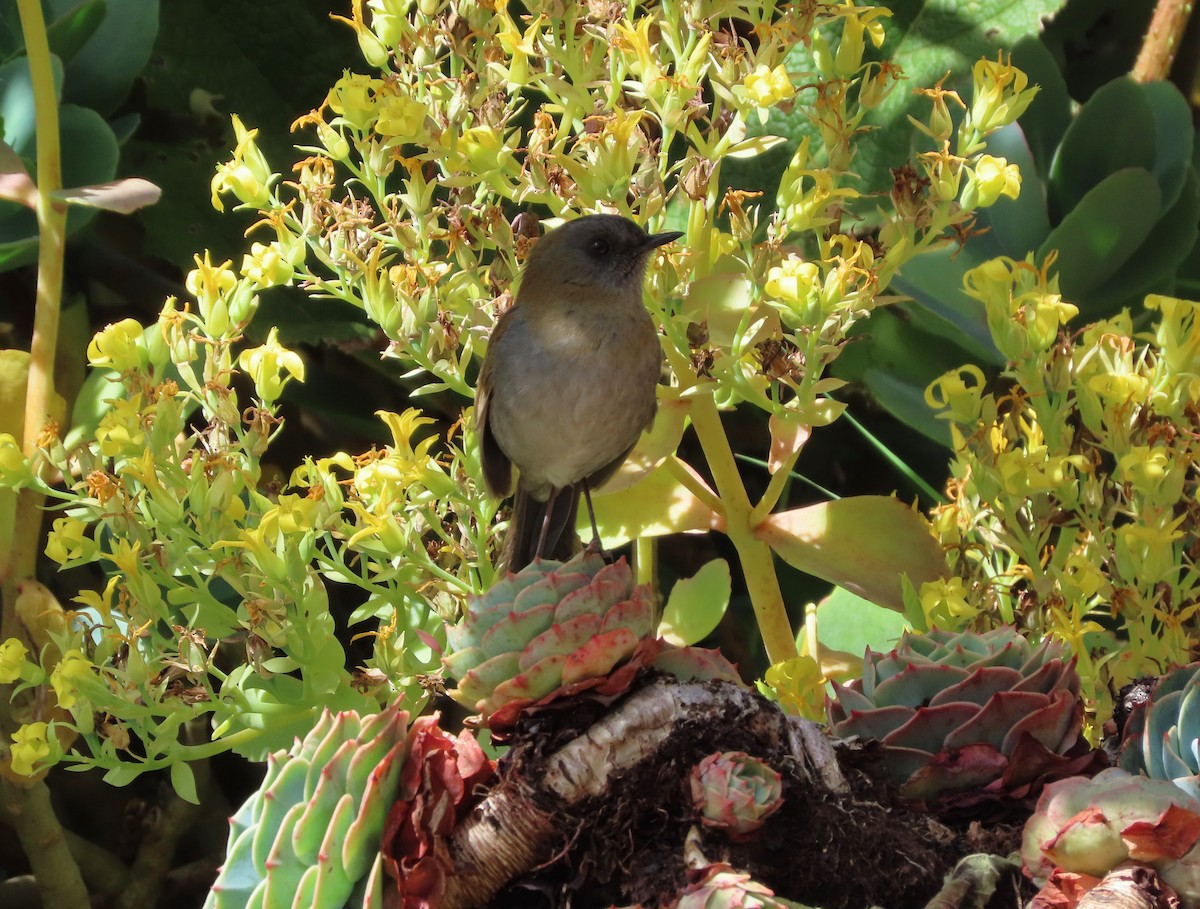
{"type": "Point", "coordinates": [907, 472]}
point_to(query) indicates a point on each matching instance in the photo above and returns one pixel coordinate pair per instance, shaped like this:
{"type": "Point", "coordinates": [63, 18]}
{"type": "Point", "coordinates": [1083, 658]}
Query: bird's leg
{"type": "Point", "coordinates": [541, 543]}
{"type": "Point", "coordinates": [595, 545]}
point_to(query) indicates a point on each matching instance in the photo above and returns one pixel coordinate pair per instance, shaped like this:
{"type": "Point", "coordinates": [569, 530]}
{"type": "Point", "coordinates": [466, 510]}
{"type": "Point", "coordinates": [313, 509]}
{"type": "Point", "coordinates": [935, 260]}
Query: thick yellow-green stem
{"type": "Point", "coordinates": [29, 806]}
{"type": "Point", "coordinates": [52, 221]}
{"type": "Point", "coordinates": [757, 563]}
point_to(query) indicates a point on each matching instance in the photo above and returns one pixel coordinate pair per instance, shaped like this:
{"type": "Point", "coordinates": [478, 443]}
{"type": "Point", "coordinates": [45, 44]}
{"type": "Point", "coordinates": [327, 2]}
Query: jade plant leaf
{"type": "Point", "coordinates": [841, 542]}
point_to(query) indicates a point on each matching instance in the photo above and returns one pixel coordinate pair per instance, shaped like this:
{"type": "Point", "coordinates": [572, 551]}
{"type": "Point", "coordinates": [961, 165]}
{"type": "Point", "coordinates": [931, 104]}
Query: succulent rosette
{"type": "Point", "coordinates": [1162, 736]}
{"type": "Point", "coordinates": [309, 838]}
{"type": "Point", "coordinates": [735, 792]}
{"type": "Point", "coordinates": [718, 886]}
{"type": "Point", "coordinates": [1086, 827]}
{"type": "Point", "coordinates": [967, 717]}
{"type": "Point", "coordinates": [558, 628]}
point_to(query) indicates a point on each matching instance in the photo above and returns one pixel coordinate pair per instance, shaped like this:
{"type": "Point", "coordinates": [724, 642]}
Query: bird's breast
{"type": "Point", "coordinates": [572, 389]}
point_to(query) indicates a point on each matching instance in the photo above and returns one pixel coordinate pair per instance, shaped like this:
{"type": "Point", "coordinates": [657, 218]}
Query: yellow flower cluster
{"type": "Point", "coordinates": [1075, 507]}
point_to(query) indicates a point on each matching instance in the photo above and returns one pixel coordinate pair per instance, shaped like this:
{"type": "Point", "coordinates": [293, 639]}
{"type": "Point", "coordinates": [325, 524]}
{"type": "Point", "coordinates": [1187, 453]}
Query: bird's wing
{"type": "Point", "coordinates": [497, 468]}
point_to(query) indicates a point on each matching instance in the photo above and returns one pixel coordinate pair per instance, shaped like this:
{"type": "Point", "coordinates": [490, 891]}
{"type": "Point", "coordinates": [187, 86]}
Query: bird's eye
{"type": "Point", "coordinates": [598, 247]}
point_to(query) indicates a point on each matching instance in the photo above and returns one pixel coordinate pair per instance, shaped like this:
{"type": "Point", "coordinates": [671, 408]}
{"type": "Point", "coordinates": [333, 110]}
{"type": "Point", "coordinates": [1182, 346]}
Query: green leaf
{"type": "Point", "coordinates": [1092, 148]}
{"type": "Point", "coordinates": [183, 781]}
{"type": "Point", "coordinates": [842, 542]}
{"type": "Point", "coordinates": [123, 774]}
{"type": "Point", "coordinates": [849, 623]}
{"type": "Point", "coordinates": [1015, 226]}
{"type": "Point", "coordinates": [1049, 115]}
{"type": "Point", "coordinates": [71, 30]}
{"type": "Point", "coordinates": [100, 74]}
{"type": "Point", "coordinates": [1101, 233]}
{"type": "Point", "coordinates": [1173, 138]}
{"type": "Point", "coordinates": [1153, 267]}
{"type": "Point", "coordinates": [696, 604]}
{"type": "Point", "coordinates": [656, 505]}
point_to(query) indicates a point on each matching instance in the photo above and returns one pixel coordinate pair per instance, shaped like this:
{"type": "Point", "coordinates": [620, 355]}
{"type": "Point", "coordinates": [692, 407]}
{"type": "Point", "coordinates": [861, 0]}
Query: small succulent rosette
{"type": "Point", "coordinates": [735, 793]}
{"type": "Point", "coordinates": [1162, 735]}
{"type": "Point", "coordinates": [1083, 828]}
{"type": "Point", "coordinates": [968, 717]}
{"type": "Point", "coordinates": [559, 628]}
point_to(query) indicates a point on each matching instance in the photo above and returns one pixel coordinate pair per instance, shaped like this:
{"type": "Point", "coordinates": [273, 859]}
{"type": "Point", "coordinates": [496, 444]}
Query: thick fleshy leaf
{"type": "Point", "coordinates": [846, 699]}
{"type": "Point", "coordinates": [657, 505]}
{"type": "Point", "coordinates": [477, 684]}
{"type": "Point", "coordinates": [595, 599]}
{"type": "Point", "coordinates": [555, 586]}
{"type": "Point", "coordinates": [560, 638]}
{"type": "Point", "coordinates": [873, 724]}
{"type": "Point", "coordinates": [1058, 726]}
{"type": "Point", "coordinates": [829, 540]}
{"type": "Point", "coordinates": [636, 614]}
{"type": "Point", "coordinates": [460, 662]}
{"type": "Point", "coordinates": [979, 686]}
{"type": "Point", "coordinates": [916, 686]}
{"type": "Point", "coordinates": [122, 196]}
{"type": "Point", "coordinates": [15, 182]}
{"type": "Point", "coordinates": [696, 604]}
{"type": "Point", "coordinates": [973, 766]}
{"type": "Point", "coordinates": [996, 718]}
{"type": "Point", "coordinates": [530, 684]}
{"type": "Point", "coordinates": [930, 727]}
{"type": "Point", "coordinates": [516, 629]}
{"type": "Point", "coordinates": [1172, 835]}
{"type": "Point", "coordinates": [599, 655]}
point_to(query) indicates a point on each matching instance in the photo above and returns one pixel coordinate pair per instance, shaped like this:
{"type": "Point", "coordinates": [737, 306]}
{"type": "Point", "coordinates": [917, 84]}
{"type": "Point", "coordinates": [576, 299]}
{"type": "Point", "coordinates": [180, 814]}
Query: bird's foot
{"type": "Point", "coordinates": [596, 548]}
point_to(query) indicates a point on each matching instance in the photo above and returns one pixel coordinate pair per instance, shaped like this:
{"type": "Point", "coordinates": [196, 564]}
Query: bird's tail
{"type": "Point", "coordinates": [525, 528]}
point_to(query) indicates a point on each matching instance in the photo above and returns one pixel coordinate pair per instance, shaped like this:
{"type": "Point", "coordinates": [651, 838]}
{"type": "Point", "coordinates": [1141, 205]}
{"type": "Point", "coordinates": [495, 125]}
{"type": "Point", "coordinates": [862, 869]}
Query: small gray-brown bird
{"type": "Point", "coordinates": [568, 382]}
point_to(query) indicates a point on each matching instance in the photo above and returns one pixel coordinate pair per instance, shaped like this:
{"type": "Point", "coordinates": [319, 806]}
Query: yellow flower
{"type": "Point", "coordinates": [402, 117]}
{"type": "Point", "coordinates": [955, 398]}
{"type": "Point", "coordinates": [12, 660]}
{"type": "Point", "coordinates": [271, 366]}
{"type": "Point", "coordinates": [101, 602]}
{"type": "Point", "coordinates": [944, 602]}
{"type": "Point", "coordinates": [29, 746]}
{"type": "Point", "coordinates": [767, 87]}
{"type": "Point", "coordinates": [72, 669]}
{"type": "Point", "coordinates": [636, 38]}
{"type": "Point", "coordinates": [118, 345]}
{"type": "Point", "coordinates": [354, 99]}
{"type": "Point", "coordinates": [797, 285]}
{"type": "Point", "coordinates": [854, 26]}
{"type": "Point", "coordinates": [120, 431]}
{"type": "Point", "coordinates": [990, 179]}
{"type": "Point", "coordinates": [68, 541]}
{"type": "Point", "coordinates": [373, 49]}
{"type": "Point", "coordinates": [247, 175]}
{"type": "Point", "coordinates": [210, 285]}
{"type": "Point", "coordinates": [1000, 95]}
{"type": "Point", "coordinates": [14, 468]}
{"type": "Point", "coordinates": [267, 265]}
{"type": "Point", "coordinates": [798, 686]}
